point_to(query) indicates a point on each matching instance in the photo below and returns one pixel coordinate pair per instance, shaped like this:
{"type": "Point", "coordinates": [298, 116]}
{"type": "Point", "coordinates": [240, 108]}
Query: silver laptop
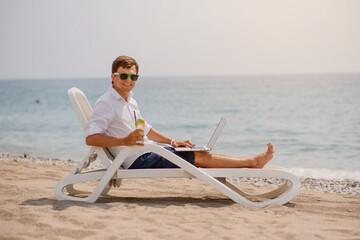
{"type": "Point", "coordinates": [211, 142]}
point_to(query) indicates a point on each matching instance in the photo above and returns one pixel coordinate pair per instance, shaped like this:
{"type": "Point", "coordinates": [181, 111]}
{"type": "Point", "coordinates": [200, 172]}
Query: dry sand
{"type": "Point", "coordinates": [162, 209]}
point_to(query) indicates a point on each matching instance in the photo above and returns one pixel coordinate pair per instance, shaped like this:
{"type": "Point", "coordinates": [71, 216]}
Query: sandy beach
{"type": "Point", "coordinates": [162, 209]}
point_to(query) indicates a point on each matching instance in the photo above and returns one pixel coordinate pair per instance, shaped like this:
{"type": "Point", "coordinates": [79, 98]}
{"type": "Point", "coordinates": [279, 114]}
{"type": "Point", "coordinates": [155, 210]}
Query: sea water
{"type": "Point", "coordinates": [312, 120]}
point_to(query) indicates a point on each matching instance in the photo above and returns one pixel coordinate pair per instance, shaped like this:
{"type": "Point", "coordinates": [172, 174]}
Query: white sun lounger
{"type": "Point", "coordinates": [112, 174]}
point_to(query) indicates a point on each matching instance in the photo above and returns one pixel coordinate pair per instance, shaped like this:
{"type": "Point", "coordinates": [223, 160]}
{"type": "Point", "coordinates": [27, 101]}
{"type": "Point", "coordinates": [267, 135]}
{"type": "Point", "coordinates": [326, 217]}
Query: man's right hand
{"type": "Point", "coordinates": [134, 138]}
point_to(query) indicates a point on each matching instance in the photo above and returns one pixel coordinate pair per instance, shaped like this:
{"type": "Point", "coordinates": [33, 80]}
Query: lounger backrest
{"type": "Point", "coordinates": [81, 106]}
{"type": "Point", "coordinates": [83, 111]}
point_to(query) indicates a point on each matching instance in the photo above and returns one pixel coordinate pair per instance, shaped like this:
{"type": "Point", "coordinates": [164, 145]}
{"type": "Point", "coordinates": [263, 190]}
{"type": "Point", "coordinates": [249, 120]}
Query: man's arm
{"type": "Point", "coordinates": [156, 136]}
{"type": "Point", "coordinates": [102, 140]}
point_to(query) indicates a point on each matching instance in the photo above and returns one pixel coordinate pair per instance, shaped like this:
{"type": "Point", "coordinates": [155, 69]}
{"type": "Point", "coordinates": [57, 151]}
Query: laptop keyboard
{"type": "Point", "coordinates": [200, 147]}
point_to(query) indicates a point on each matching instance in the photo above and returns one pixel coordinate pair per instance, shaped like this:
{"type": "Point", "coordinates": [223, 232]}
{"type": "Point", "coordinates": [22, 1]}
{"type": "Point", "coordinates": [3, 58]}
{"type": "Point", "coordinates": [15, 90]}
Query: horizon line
{"type": "Point", "coordinates": [195, 75]}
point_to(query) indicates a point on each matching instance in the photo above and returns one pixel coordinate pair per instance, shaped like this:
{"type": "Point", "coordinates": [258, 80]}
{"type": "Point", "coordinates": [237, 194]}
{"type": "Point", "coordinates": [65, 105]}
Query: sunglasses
{"type": "Point", "coordinates": [124, 76]}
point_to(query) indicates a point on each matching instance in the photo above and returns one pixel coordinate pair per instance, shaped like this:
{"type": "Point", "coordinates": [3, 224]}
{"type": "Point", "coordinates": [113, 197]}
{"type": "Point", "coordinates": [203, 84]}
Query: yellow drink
{"type": "Point", "coordinates": [140, 124]}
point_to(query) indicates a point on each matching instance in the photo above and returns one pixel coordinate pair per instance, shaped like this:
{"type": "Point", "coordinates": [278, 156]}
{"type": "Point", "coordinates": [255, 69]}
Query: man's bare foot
{"type": "Point", "coordinates": [263, 158]}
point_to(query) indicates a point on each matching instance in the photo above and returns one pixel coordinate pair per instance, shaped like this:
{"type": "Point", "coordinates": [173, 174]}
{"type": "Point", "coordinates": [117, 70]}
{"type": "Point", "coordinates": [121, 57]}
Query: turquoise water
{"type": "Point", "coordinates": [313, 120]}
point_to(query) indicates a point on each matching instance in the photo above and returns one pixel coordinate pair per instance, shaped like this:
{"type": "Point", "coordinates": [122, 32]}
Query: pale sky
{"type": "Point", "coordinates": [80, 39]}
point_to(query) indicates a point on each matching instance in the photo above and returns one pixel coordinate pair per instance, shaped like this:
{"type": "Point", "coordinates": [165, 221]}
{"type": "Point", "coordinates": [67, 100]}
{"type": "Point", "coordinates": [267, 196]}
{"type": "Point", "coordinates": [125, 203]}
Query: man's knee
{"type": "Point", "coordinates": [201, 158]}
{"type": "Point", "coordinates": [202, 154]}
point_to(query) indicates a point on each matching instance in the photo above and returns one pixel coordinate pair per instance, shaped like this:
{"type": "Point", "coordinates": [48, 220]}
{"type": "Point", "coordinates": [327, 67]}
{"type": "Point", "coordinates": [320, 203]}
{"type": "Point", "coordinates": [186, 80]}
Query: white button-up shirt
{"type": "Point", "coordinates": [113, 116]}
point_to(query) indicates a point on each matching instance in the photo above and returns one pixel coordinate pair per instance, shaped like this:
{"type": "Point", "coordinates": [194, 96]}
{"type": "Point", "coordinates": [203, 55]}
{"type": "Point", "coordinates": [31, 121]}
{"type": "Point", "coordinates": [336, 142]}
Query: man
{"type": "Point", "coordinates": [112, 125]}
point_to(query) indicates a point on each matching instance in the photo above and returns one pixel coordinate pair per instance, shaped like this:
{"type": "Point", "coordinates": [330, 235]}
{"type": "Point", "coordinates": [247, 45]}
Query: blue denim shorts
{"type": "Point", "coordinates": [153, 160]}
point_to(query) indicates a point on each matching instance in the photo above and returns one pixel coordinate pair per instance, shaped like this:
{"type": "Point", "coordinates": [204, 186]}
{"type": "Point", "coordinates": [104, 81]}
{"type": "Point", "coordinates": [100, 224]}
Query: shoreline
{"type": "Point", "coordinates": [345, 186]}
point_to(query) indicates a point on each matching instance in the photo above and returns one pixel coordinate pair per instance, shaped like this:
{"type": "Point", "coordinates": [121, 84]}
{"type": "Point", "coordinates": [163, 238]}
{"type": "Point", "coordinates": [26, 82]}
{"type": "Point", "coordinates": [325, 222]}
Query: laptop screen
{"type": "Point", "coordinates": [216, 133]}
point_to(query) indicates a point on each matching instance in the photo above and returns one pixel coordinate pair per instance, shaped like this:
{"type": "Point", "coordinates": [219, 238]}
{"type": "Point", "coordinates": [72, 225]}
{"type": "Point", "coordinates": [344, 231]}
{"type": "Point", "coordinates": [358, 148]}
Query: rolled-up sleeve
{"type": "Point", "coordinates": [100, 119]}
{"type": "Point", "coordinates": [147, 125]}
{"type": "Point", "coordinates": [147, 128]}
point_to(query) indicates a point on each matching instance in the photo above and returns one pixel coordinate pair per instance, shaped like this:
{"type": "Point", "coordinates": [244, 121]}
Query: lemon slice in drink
{"type": "Point", "coordinates": [140, 123]}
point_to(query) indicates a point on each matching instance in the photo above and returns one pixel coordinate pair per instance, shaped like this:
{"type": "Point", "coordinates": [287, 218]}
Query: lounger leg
{"type": "Point", "coordinates": [85, 162]}
{"type": "Point", "coordinates": [106, 189]}
{"type": "Point", "coordinates": [69, 181]}
{"type": "Point", "coordinates": [272, 194]}
{"type": "Point", "coordinates": [72, 191]}
{"type": "Point", "coordinates": [113, 183]}
{"type": "Point", "coordinates": [232, 186]}
{"type": "Point", "coordinates": [277, 192]}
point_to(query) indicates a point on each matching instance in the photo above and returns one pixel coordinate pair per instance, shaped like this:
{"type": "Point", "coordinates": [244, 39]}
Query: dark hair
{"type": "Point", "coordinates": [124, 62]}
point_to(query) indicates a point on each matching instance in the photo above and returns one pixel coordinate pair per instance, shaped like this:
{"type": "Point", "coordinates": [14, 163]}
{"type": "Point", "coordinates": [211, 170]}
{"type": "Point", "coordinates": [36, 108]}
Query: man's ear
{"type": "Point", "coordinates": [112, 77]}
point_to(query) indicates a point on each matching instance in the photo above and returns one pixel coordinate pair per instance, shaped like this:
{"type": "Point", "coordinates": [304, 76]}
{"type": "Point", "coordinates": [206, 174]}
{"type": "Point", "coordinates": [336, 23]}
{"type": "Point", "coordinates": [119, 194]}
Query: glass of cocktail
{"type": "Point", "coordinates": [140, 124]}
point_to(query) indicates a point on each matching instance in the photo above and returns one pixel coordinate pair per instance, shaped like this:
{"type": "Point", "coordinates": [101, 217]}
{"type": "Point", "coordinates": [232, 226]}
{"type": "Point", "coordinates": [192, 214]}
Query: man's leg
{"type": "Point", "coordinates": [215, 160]}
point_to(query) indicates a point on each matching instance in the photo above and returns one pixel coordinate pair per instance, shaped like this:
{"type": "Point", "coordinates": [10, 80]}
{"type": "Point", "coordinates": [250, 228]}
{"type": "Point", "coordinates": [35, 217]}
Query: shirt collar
{"type": "Point", "coordinates": [117, 95]}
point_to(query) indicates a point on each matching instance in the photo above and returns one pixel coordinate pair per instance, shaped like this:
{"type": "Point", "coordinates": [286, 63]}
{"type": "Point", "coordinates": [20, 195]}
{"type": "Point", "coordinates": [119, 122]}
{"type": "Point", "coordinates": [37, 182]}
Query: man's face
{"type": "Point", "coordinates": [124, 85]}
